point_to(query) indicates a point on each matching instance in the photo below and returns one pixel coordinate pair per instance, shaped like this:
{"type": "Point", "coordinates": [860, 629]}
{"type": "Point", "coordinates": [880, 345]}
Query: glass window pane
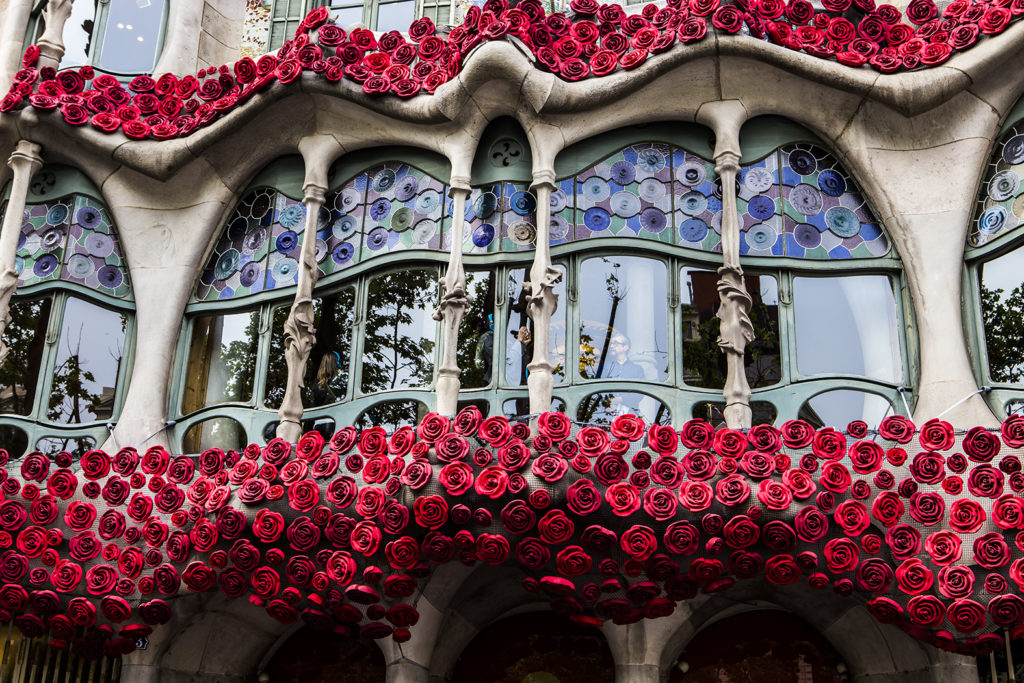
{"type": "Point", "coordinates": [77, 34]}
{"type": "Point", "coordinates": [847, 325]}
{"type": "Point", "coordinates": [398, 342]}
{"type": "Point", "coordinates": [762, 359]}
{"type": "Point", "coordinates": [75, 445]}
{"type": "Point", "coordinates": [219, 432]}
{"type": "Point", "coordinates": [20, 372]}
{"type": "Point", "coordinates": [348, 15]}
{"type": "Point", "coordinates": [762, 412]}
{"type": "Point", "coordinates": [395, 16]}
{"type": "Point", "coordinates": [222, 359]}
{"type": "Point", "coordinates": [520, 407]}
{"type": "Point", "coordinates": [13, 440]}
{"type": "Point", "coordinates": [392, 414]}
{"type": "Point", "coordinates": [623, 319]}
{"type": "Point", "coordinates": [131, 35]}
{"type": "Point", "coordinates": [326, 378]}
{"type": "Point", "coordinates": [476, 334]}
{"type": "Point", "coordinates": [1002, 313]}
{"type": "Point", "coordinates": [602, 409]}
{"type": "Point", "coordinates": [519, 343]}
{"type": "Point", "coordinates": [840, 407]}
{"type": "Point", "coordinates": [483, 406]}
{"type": "Point", "coordinates": [89, 354]}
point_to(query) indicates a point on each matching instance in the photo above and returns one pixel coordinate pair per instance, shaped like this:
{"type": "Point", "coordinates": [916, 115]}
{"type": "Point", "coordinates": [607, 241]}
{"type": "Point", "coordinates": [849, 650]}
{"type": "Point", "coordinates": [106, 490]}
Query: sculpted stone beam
{"type": "Point", "coordinates": [24, 161]}
{"type": "Point", "coordinates": [726, 118]}
{"type": "Point", "coordinates": [453, 306]}
{"type": "Point", "coordinates": [541, 299]}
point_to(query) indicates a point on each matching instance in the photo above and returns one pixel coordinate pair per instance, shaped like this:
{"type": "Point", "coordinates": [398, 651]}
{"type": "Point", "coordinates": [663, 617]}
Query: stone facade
{"type": "Point", "coordinates": [918, 144]}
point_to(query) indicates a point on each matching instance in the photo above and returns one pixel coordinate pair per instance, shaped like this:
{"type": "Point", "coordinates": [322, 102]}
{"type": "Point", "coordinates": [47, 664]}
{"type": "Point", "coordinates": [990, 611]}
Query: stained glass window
{"type": "Point", "coordinates": [71, 239]}
{"type": "Point", "coordinates": [500, 217]}
{"type": "Point", "coordinates": [799, 202]}
{"type": "Point", "coordinates": [1001, 202]}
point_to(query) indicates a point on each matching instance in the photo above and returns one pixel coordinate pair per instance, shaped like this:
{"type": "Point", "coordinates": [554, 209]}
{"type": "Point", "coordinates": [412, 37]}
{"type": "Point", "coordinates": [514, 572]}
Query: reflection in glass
{"type": "Point", "coordinates": [392, 414]}
{"type": "Point", "coordinates": [395, 16]}
{"type": "Point", "coordinates": [75, 445]}
{"type": "Point", "coordinates": [89, 354]}
{"type": "Point", "coordinates": [840, 407]}
{"type": "Point", "coordinates": [520, 407]}
{"type": "Point", "coordinates": [762, 412]}
{"type": "Point", "coordinates": [20, 372]}
{"type": "Point", "coordinates": [1014, 408]}
{"type": "Point", "coordinates": [602, 409]}
{"type": "Point", "coordinates": [325, 425]}
{"type": "Point", "coordinates": [221, 360]}
{"type": "Point", "coordinates": [13, 440]}
{"type": "Point", "coordinates": [77, 34]}
{"type": "Point", "coordinates": [346, 13]}
{"type": "Point", "coordinates": [847, 325]}
{"type": "Point", "coordinates": [219, 432]}
{"type": "Point", "coordinates": [398, 342]}
{"type": "Point", "coordinates": [519, 343]}
{"type": "Point", "coordinates": [476, 334]}
{"type": "Point", "coordinates": [483, 406]}
{"type": "Point", "coordinates": [131, 36]}
{"type": "Point", "coordinates": [623, 319]}
{"type": "Point", "coordinates": [1002, 313]}
{"type": "Point", "coordinates": [326, 378]}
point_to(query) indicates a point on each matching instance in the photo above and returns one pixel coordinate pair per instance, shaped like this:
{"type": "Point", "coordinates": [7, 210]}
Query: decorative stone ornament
{"type": "Point", "coordinates": [24, 161]}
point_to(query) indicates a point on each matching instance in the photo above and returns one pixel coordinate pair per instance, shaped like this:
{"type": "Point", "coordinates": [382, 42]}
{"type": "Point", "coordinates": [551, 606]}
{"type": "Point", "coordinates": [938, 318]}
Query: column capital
{"type": "Point", "coordinates": [312, 192]}
{"type": "Point", "coordinates": [727, 161]}
{"type": "Point", "coordinates": [544, 177]}
{"type": "Point", "coordinates": [458, 183]}
{"type": "Point", "coordinates": [26, 157]}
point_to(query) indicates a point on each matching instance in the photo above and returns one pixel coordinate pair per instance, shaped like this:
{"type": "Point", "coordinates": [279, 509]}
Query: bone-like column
{"type": "Point", "coordinates": [299, 328]}
{"type": "Point", "coordinates": [24, 161]}
{"type": "Point", "coordinates": [454, 304]}
{"type": "Point", "coordinates": [51, 43]}
{"type": "Point", "coordinates": [541, 299]}
{"type": "Point", "coordinates": [726, 117]}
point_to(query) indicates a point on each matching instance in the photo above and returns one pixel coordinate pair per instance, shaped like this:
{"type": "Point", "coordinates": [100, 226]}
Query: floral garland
{"type": "Point", "coordinates": [615, 525]}
{"type": "Point", "coordinates": [594, 40]}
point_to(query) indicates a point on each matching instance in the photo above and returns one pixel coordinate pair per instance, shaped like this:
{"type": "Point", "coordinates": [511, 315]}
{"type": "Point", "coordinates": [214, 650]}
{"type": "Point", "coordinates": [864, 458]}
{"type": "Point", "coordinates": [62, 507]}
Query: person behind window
{"type": "Point", "coordinates": [619, 365]}
{"type": "Point", "coordinates": [329, 366]}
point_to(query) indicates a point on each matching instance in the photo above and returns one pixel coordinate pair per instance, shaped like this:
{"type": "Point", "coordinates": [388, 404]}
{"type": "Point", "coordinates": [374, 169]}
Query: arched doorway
{"type": "Point", "coordinates": [765, 645]}
{"type": "Point", "coordinates": [539, 647]}
{"type": "Point", "coordinates": [315, 656]}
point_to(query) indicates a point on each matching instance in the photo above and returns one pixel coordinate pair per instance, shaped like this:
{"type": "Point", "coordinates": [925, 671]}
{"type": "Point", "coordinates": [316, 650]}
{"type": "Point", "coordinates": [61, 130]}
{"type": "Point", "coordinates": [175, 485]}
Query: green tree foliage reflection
{"type": "Point", "coordinates": [395, 353]}
{"type": "Point", "coordinates": [20, 373]}
{"type": "Point", "coordinates": [1003, 317]}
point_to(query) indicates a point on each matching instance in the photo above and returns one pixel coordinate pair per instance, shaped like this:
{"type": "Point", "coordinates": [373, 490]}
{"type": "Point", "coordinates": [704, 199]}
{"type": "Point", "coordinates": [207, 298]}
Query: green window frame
{"type": "Point", "coordinates": [995, 233]}
{"type": "Point", "coordinates": [285, 15]}
{"type": "Point", "coordinates": [94, 53]}
{"type": "Point", "coordinates": [49, 424]}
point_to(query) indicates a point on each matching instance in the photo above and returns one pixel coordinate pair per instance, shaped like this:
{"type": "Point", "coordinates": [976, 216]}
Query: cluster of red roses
{"type": "Point", "coordinates": [595, 40]}
{"type": "Point", "coordinates": [605, 537]}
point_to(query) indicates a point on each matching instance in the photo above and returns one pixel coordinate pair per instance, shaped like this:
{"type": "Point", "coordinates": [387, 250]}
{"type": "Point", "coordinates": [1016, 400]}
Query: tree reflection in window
{"type": "Point", "coordinates": [23, 337]}
{"type": "Point", "coordinates": [75, 445]}
{"type": "Point", "coordinates": [90, 349]}
{"type": "Point", "coordinates": [762, 412]}
{"type": "Point", "coordinates": [519, 327]}
{"type": "Point", "coordinates": [476, 335]}
{"type": "Point", "coordinates": [704, 364]}
{"type": "Point", "coordinates": [220, 432]}
{"type": "Point", "coordinates": [624, 323]}
{"type": "Point", "coordinates": [392, 414]}
{"type": "Point", "coordinates": [603, 408]}
{"type": "Point", "coordinates": [327, 369]}
{"type": "Point", "coordinates": [13, 440]}
{"type": "Point", "coordinates": [398, 341]}
{"type": "Point", "coordinates": [1002, 313]}
{"type": "Point", "coordinates": [222, 359]}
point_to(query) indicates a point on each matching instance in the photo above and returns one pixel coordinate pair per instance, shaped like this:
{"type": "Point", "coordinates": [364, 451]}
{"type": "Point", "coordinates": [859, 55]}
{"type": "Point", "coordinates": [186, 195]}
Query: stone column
{"type": "Point", "coordinates": [726, 117]}
{"type": "Point", "coordinates": [540, 298]}
{"type": "Point", "coordinates": [24, 161]}
{"type": "Point", "coordinates": [51, 43]}
{"type": "Point", "coordinates": [736, 329]}
{"type": "Point", "coordinates": [453, 306]}
{"type": "Point", "coordinates": [299, 330]}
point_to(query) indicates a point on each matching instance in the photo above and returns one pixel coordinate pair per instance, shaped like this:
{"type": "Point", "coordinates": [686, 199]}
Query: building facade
{"type": "Point", "coordinates": [734, 227]}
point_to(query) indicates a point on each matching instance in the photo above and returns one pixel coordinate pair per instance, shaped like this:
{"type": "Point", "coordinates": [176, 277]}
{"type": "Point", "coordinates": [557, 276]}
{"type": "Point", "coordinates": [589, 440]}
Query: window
{"type": "Point", "coordinates": [375, 333]}
{"type": "Point", "coordinates": [284, 16]}
{"type": "Point", "coordinates": [71, 321]}
{"type": "Point", "coordinates": [115, 36]}
{"type": "Point", "coordinates": [995, 259]}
